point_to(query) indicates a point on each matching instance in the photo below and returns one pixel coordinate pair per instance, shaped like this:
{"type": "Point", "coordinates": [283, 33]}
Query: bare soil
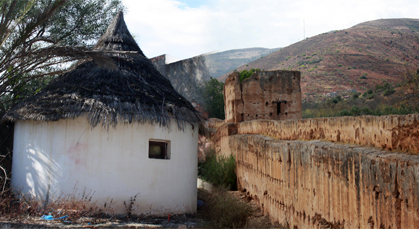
{"type": "Point", "coordinates": [256, 220]}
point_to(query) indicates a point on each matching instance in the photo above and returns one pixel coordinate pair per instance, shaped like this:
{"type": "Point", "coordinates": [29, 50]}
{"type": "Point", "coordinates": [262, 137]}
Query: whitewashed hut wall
{"type": "Point", "coordinates": [68, 157]}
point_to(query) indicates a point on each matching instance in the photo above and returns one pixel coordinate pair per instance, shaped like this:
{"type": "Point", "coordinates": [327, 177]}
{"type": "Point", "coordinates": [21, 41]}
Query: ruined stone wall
{"type": "Point", "coordinates": [160, 63]}
{"type": "Point", "coordinates": [233, 102]}
{"type": "Point", "coordinates": [214, 123]}
{"type": "Point", "coordinates": [323, 184]}
{"type": "Point", "coordinates": [273, 95]}
{"type": "Point", "coordinates": [327, 185]}
{"type": "Point", "coordinates": [187, 76]}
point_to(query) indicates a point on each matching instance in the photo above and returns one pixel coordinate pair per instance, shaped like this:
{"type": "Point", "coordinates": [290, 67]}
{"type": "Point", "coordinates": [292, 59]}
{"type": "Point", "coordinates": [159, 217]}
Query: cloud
{"type": "Point", "coordinates": [185, 28]}
{"type": "Point", "coordinates": [160, 26]}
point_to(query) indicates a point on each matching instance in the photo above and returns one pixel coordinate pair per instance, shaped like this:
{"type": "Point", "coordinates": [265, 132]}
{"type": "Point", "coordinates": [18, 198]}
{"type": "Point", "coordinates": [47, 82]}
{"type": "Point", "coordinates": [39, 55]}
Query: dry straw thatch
{"type": "Point", "coordinates": [131, 91]}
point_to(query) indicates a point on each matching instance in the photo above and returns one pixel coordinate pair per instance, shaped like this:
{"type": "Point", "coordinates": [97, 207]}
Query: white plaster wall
{"type": "Point", "coordinates": [68, 157]}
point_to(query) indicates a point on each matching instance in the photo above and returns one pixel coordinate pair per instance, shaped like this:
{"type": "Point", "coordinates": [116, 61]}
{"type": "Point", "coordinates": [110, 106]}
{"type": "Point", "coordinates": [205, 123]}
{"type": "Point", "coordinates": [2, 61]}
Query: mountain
{"type": "Point", "coordinates": [222, 62]}
{"type": "Point", "coordinates": [359, 57]}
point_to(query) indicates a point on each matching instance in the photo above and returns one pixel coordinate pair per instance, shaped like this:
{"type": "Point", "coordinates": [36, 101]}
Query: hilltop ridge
{"type": "Point", "coordinates": [359, 57]}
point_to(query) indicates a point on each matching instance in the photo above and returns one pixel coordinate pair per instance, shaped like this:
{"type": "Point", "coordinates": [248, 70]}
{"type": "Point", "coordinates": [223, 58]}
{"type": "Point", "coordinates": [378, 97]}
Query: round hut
{"type": "Point", "coordinates": [109, 132]}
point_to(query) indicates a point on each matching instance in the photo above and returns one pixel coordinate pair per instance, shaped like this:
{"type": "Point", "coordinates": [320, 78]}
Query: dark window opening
{"type": "Point", "coordinates": [270, 114]}
{"type": "Point", "coordinates": [159, 149]}
{"type": "Point", "coordinates": [286, 113]}
{"type": "Point", "coordinates": [256, 115]}
{"type": "Point", "coordinates": [278, 106]}
{"type": "Point", "coordinates": [266, 103]}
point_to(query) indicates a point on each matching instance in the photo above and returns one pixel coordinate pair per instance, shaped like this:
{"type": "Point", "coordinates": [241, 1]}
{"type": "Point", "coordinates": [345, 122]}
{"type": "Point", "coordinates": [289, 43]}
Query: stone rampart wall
{"type": "Point", "coordinates": [214, 123]}
{"type": "Point", "coordinates": [393, 132]}
{"type": "Point", "coordinates": [319, 184]}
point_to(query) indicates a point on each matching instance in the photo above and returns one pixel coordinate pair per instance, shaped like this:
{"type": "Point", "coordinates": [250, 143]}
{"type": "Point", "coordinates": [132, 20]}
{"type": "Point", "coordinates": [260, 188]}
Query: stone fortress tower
{"type": "Point", "coordinates": [273, 95]}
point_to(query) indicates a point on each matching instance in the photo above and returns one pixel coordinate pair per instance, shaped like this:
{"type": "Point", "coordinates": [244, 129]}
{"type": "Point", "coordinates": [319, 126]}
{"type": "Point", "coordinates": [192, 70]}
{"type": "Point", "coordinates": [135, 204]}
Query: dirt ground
{"type": "Point", "coordinates": [175, 221]}
{"type": "Point", "coordinates": [256, 220]}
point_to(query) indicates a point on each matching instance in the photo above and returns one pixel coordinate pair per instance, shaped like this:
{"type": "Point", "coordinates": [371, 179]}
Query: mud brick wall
{"type": "Point", "coordinates": [274, 95]}
{"type": "Point", "coordinates": [319, 184]}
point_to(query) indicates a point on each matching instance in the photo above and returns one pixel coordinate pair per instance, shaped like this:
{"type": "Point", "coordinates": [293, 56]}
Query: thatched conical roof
{"type": "Point", "coordinates": [117, 37]}
{"type": "Point", "coordinates": [134, 91]}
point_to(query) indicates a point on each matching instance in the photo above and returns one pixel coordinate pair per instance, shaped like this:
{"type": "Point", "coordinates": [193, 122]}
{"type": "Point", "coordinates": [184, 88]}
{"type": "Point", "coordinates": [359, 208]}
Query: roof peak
{"type": "Point", "coordinates": [117, 37]}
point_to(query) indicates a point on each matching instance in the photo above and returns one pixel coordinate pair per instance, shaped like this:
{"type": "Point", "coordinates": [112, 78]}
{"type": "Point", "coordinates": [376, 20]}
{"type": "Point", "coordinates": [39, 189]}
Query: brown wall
{"type": "Point", "coordinates": [326, 185]}
{"type": "Point", "coordinates": [388, 132]}
{"type": "Point", "coordinates": [319, 183]}
{"type": "Point", "coordinates": [214, 123]}
{"type": "Point", "coordinates": [257, 97]}
{"type": "Point", "coordinates": [233, 102]}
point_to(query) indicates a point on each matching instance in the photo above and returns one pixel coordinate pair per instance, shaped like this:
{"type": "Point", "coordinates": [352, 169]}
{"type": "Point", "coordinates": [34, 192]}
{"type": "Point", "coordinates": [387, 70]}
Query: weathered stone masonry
{"type": "Point", "coordinates": [274, 95]}
{"type": "Point", "coordinates": [186, 76]}
{"type": "Point", "coordinates": [320, 184]}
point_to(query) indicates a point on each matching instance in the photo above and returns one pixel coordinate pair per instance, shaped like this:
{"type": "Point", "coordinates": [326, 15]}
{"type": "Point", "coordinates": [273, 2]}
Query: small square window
{"type": "Point", "coordinates": [159, 149]}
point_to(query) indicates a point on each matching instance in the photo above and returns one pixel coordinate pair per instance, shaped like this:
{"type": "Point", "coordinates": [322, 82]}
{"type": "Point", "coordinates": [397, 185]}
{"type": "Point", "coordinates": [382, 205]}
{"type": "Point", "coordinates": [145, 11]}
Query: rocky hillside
{"type": "Point", "coordinates": [222, 62]}
{"type": "Point", "coordinates": [359, 57]}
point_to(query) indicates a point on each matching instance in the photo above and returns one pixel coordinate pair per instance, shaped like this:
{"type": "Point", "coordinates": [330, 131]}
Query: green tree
{"type": "Point", "coordinates": [37, 37]}
{"type": "Point", "coordinates": [214, 98]}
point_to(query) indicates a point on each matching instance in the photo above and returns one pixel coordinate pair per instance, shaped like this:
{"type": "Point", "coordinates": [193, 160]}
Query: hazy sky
{"type": "Point", "coordinates": [186, 28]}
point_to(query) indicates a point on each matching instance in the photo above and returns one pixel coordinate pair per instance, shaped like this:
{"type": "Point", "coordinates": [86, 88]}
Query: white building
{"type": "Point", "coordinates": [145, 145]}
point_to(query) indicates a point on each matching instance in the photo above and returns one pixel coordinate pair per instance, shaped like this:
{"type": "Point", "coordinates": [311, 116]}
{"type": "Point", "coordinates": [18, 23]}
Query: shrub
{"type": "Point", "coordinates": [362, 77]}
{"type": "Point", "coordinates": [355, 111]}
{"type": "Point", "coordinates": [219, 170]}
{"type": "Point", "coordinates": [344, 112]}
{"type": "Point", "coordinates": [355, 95]}
{"type": "Point", "coordinates": [224, 211]}
{"type": "Point", "coordinates": [247, 74]}
{"type": "Point", "coordinates": [369, 91]}
{"type": "Point", "coordinates": [389, 92]}
{"type": "Point", "coordinates": [308, 113]}
{"type": "Point", "coordinates": [366, 111]}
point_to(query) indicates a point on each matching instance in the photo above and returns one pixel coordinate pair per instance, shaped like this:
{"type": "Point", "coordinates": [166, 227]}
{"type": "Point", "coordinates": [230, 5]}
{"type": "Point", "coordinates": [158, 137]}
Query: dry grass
{"type": "Point", "coordinates": [75, 207]}
{"type": "Point", "coordinates": [225, 211]}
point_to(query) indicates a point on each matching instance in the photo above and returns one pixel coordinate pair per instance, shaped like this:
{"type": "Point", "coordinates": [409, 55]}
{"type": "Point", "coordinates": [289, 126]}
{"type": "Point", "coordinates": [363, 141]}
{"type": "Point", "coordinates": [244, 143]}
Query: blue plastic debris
{"type": "Point", "coordinates": [47, 217]}
{"type": "Point", "coordinates": [50, 217]}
